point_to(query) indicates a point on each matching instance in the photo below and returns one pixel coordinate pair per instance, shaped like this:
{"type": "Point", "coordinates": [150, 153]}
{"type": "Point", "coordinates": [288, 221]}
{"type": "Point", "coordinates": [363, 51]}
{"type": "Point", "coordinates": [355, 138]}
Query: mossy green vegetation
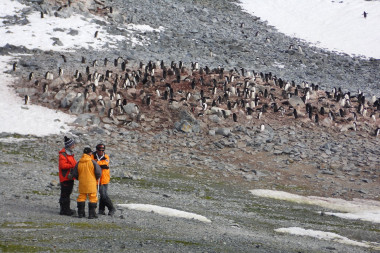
{"type": "Point", "coordinates": [93, 226]}
{"type": "Point", "coordinates": [185, 243]}
{"type": "Point", "coordinates": [22, 248]}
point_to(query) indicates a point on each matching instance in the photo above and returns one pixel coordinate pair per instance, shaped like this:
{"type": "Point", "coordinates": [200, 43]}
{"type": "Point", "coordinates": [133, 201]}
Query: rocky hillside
{"type": "Point", "coordinates": [193, 120]}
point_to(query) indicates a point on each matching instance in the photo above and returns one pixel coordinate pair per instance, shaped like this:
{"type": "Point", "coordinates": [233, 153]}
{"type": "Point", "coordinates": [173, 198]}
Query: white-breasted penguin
{"type": "Point", "coordinates": [26, 99]}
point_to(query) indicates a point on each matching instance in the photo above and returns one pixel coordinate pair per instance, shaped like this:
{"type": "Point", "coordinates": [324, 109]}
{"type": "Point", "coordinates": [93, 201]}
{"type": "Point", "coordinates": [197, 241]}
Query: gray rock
{"type": "Point", "coordinates": [130, 109]}
{"type": "Point", "coordinates": [183, 126]}
{"type": "Point", "coordinates": [77, 105]}
{"type": "Point", "coordinates": [223, 131]}
{"type": "Point", "coordinates": [68, 99]}
{"type": "Point", "coordinates": [214, 118]}
{"type": "Point", "coordinates": [83, 119]}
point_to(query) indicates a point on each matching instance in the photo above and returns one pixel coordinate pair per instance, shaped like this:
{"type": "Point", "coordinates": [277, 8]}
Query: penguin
{"type": "Point", "coordinates": [110, 112]}
{"type": "Point", "coordinates": [355, 126]}
{"type": "Point", "coordinates": [85, 93]}
{"type": "Point", "coordinates": [101, 101]}
{"type": "Point", "coordinates": [262, 127]}
{"type": "Point", "coordinates": [63, 57]}
{"type": "Point", "coordinates": [224, 114]}
{"type": "Point", "coordinates": [377, 132]}
{"type": "Point", "coordinates": [42, 14]}
{"type": "Point", "coordinates": [259, 115]}
{"type": "Point", "coordinates": [26, 99]}
{"type": "Point", "coordinates": [31, 76]}
{"type": "Point", "coordinates": [295, 113]}
{"type": "Point", "coordinates": [14, 67]}
{"type": "Point", "coordinates": [166, 94]}
{"type": "Point", "coordinates": [341, 112]}
{"type": "Point", "coordinates": [96, 34]}
{"type": "Point", "coordinates": [364, 113]}
{"type": "Point", "coordinates": [137, 109]}
{"type": "Point", "coordinates": [60, 72]}
{"type": "Point", "coordinates": [45, 87]}
{"type": "Point", "coordinates": [105, 62]}
{"type": "Point", "coordinates": [204, 106]}
{"type": "Point", "coordinates": [331, 116]}
{"type": "Point", "coordinates": [322, 111]}
{"type": "Point", "coordinates": [83, 59]}
{"type": "Point", "coordinates": [148, 101]}
{"type": "Point", "coordinates": [354, 115]}
{"type": "Point", "coordinates": [234, 116]}
{"type": "Point", "coordinates": [275, 107]}
{"type": "Point", "coordinates": [316, 118]}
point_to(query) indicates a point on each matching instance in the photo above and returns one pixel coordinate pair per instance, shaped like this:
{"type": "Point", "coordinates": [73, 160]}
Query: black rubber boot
{"type": "Point", "coordinates": [102, 207]}
{"type": "Point", "coordinates": [92, 211]}
{"type": "Point", "coordinates": [61, 207]}
{"type": "Point", "coordinates": [81, 212]}
{"type": "Point", "coordinates": [65, 208]}
{"type": "Point", "coordinates": [111, 208]}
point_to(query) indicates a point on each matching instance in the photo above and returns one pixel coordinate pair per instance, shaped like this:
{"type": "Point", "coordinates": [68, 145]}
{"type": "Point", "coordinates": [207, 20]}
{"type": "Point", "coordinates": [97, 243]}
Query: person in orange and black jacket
{"type": "Point", "coordinates": [66, 164]}
{"type": "Point", "coordinates": [87, 171]}
{"type": "Point", "coordinates": [103, 160]}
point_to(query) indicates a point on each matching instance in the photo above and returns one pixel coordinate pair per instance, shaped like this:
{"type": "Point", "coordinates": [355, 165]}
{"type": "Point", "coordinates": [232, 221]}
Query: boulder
{"type": "Point", "coordinates": [77, 105]}
{"type": "Point", "coordinates": [214, 118]}
{"type": "Point", "coordinates": [223, 131]}
{"type": "Point", "coordinates": [68, 99]}
{"type": "Point", "coordinates": [183, 126]}
{"type": "Point", "coordinates": [131, 109]}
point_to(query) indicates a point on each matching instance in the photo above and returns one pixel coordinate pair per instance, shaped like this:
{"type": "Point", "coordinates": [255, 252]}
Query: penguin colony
{"type": "Point", "coordinates": [236, 96]}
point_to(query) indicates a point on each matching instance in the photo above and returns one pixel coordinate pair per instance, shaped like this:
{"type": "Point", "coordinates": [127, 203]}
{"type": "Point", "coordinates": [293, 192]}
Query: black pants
{"type": "Point", "coordinates": [66, 190]}
{"type": "Point", "coordinates": [105, 200]}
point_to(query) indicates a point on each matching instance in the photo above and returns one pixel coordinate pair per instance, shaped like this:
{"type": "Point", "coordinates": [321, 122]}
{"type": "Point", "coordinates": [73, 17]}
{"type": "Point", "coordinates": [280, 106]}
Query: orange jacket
{"type": "Point", "coordinates": [87, 172]}
{"type": "Point", "coordinates": [65, 164]}
{"type": "Point", "coordinates": [104, 164]}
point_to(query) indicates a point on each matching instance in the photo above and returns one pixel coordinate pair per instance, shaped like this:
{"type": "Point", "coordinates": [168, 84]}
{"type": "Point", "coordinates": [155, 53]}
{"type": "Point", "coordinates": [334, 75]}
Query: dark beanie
{"type": "Point", "coordinates": [68, 142]}
{"type": "Point", "coordinates": [87, 150]}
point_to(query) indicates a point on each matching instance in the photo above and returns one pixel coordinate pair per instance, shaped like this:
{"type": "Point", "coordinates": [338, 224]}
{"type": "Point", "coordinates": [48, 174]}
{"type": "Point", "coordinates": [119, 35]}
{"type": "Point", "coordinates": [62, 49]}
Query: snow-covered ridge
{"type": "Point", "coordinates": [335, 25]}
{"type": "Point", "coordinates": [64, 34]}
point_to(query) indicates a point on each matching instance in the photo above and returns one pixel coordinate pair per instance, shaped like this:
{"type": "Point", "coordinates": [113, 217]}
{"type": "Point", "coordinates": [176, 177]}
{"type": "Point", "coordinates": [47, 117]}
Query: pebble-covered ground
{"type": "Point", "coordinates": [209, 173]}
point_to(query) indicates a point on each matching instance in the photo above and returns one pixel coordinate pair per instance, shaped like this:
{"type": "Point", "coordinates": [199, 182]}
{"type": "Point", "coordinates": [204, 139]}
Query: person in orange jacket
{"type": "Point", "coordinates": [65, 165]}
{"type": "Point", "coordinates": [103, 160]}
{"type": "Point", "coordinates": [87, 171]}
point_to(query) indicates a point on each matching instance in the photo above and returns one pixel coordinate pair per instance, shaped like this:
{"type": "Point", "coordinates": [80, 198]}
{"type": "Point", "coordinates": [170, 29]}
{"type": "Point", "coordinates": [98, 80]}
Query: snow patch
{"type": "Point", "coordinates": [164, 211]}
{"type": "Point", "coordinates": [360, 209]}
{"type": "Point", "coordinates": [64, 34]}
{"type": "Point", "coordinates": [328, 236]}
{"type": "Point", "coordinates": [334, 25]}
{"type": "Point", "coordinates": [26, 119]}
